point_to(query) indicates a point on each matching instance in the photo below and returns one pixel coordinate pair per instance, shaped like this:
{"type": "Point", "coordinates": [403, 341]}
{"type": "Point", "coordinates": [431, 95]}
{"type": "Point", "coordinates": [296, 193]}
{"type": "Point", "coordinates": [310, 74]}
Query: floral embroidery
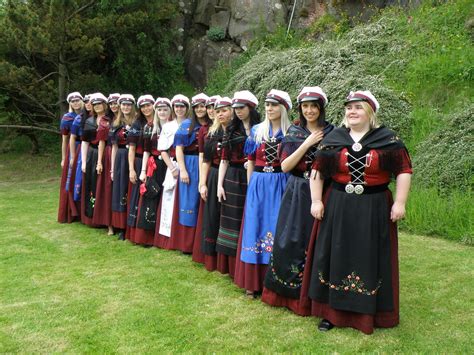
{"type": "Point", "coordinates": [123, 201]}
{"type": "Point", "coordinates": [263, 245]}
{"type": "Point", "coordinates": [352, 283]}
{"type": "Point", "coordinates": [150, 216]}
{"type": "Point", "coordinates": [297, 270]}
{"type": "Point", "coordinates": [92, 200]}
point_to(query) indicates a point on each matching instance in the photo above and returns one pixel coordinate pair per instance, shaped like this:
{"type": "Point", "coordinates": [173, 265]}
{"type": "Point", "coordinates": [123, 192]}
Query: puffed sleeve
{"type": "Point", "coordinates": [251, 145]}
{"type": "Point", "coordinates": [134, 133]}
{"type": "Point", "coordinates": [66, 123]}
{"type": "Point", "coordinates": [183, 137]}
{"type": "Point", "coordinates": [76, 126]}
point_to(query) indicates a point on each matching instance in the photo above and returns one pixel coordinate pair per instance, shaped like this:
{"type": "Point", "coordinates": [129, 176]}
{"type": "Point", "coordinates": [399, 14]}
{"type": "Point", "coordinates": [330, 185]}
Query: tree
{"type": "Point", "coordinates": [50, 48]}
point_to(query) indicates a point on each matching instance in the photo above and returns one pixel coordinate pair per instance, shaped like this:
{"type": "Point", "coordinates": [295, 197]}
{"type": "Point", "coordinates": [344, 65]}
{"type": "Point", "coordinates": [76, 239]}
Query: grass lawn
{"type": "Point", "coordinates": [69, 288]}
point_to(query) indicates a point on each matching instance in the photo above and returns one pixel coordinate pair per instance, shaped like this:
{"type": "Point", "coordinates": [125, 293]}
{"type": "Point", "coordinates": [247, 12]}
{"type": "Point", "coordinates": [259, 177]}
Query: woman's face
{"type": "Point", "coordinates": [99, 108]}
{"type": "Point", "coordinates": [200, 110]}
{"type": "Point", "coordinates": [147, 110]}
{"type": "Point", "coordinates": [114, 107]}
{"type": "Point", "coordinates": [272, 111]}
{"type": "Point", "coordinates": [180, 111]}
{"type": "Point", "coordinates": [224, 115]}
{"type": "Point", "coordinates": [164, 112]}
{"type": "Point", "coordinates": [310, 110]}
{"type": "Point", "coordinates": [76, 104]}
{"type": "Point", "coordinates": [210, 111]}
{"type": "Point", "coordinates": [243, 113]}
{"type": "Point", "coordinates": [126, 108]}
{"type": "Point", "coordinates": [88, 106]}
{"type": "Point", "coordinates": [356, 115]}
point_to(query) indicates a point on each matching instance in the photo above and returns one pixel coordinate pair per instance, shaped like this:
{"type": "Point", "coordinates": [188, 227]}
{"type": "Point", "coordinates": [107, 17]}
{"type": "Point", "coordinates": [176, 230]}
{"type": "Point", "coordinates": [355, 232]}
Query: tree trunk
{"type": "Point", "coordinates": [34, 141]}
{"type": "Point", "coordinates": [63, 106]}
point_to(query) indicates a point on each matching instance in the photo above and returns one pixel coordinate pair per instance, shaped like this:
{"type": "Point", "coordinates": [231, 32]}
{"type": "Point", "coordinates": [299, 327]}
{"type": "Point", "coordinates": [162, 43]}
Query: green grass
{"type": "Point", "coordinates": [448, 215]}
{"type": "Point", "coordinates": [69, 288]}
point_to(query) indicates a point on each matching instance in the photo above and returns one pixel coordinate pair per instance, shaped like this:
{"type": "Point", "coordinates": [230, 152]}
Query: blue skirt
{"type": "Point", "coordinates": [78, 178]}
{"type": "Point", "coordinates": [189, 194]}
{"type": "Point", "coordinates": [262, 205]}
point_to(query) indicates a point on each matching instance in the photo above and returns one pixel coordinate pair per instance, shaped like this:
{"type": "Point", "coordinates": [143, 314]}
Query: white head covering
{"type": "Point", "coordinates": [280, 97]}
{"type": "Point", "coordinates": [74, 95]}
{"type": "Point", "coordinates": [312, 93]}
{"type": "Point", "coordinates": [199, 99]}
{"type": "Point", "coordinates": [366, 96]}
{"type": "Point", "coordinates": [244, 97]}
{"type": "Point", "coordinates": [126, 99]}
{"type": "Point", "coordinates": [145, 99]}
{"type": "Point", "coordinates": [180, 100]}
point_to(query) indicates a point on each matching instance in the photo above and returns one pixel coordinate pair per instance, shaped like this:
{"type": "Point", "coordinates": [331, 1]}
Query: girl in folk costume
{"type": "Point", "coordinates": [353, 258]}
{"type": "Point", "coordinates": [232, 179]}
{"type": "Point", "coordinates": [297, 152]}
{"type": "Point", "coordinates": [267, 183]}
{"type": "Point", "coordinates": [198, 255]}
{"type": "Point", "coordinates": [74, 193]}
{"type": "Point", "coordinates": [187, 203]}
{"type": "Point", "coordinates": [119, 162]}
{"type": "Point", "coordinates": [95, 133]}
{"type": "Point", "coordinates": [180, 107]}
{"type": "Point", "coordinates": [141, 129]}
{"type": "Point", "coordinates": [210, 205]}
{"type": "Point", "coordinates": [103, 214]}
{"type": "Point", "coordinates": [65, 213]}
{"type": "Point", "coordinates": [151, 188]}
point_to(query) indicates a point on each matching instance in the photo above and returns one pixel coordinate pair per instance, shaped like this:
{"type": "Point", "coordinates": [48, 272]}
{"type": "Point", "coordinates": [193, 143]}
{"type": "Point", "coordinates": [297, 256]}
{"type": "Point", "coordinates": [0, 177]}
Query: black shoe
{"type": "Point", "coordinates": [121, 235]}
{"type": "Point", "coordinates": [325, 325]}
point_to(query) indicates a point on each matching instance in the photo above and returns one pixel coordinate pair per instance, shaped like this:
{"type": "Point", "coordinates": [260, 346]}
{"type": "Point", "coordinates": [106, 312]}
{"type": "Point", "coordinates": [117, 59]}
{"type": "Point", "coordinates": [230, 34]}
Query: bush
{"type": "Point", "coordinates": [445, 160]}
{"type": "Point", "coordinates": [216, 34]}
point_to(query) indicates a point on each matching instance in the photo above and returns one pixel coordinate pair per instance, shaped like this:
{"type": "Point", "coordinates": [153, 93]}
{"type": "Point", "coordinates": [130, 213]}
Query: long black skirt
{"type": "Point", "coordinates": [211, 215]}
{"type": "Point", "coordinates": [285, 271]}
{"type": "Point", "coordinates": [120, 182]}
{"type": "Point", "coordinates": [134, 196]}
{"type": "Point", "coordinates": [150, 199]}
{"type": "Point", "coordinates": [352, 256]}
{"type": "Point", "coordinates": [232, 209]}
{"type": "Point", "coordinates": [90, 181]}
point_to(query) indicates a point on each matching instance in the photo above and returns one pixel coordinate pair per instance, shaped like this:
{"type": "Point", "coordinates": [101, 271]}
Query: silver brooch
{"type": "Point", "coordinates": [349, 188]}
{"type": "Point", "coordinates": [356, 147]}
{"type": "Point", "coordinates": [359, 189]}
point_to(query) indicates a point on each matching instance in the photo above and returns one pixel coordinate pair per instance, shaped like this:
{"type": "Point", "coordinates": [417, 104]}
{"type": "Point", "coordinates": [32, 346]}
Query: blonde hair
{"type": "Point", "coordinates": [72, 110]}
{"type": "Point", "coordinates": [158, 122]}
{"type": "Point", "coordinates": [373, 122]}
{"type": "Point", "coordinates": [263, 130]}
{"type": "Point", "coordinates": [121, 118]}
{"type": "Point", "coordinates": [216, 124]}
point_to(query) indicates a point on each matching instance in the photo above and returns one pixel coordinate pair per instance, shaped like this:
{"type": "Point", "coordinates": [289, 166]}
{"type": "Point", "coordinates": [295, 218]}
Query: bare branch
{"type": "Point", "coordinates": [82, 8]}
{"type": "Point", "coordinates": [50, 130]}
{"type": "Point", "coordinates": [46, 76]}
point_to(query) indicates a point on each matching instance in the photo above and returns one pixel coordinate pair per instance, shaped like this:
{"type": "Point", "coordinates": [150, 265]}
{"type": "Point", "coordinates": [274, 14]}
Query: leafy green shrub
{"type": "Point", "coordinates": [216, 34]}
{"type": "Point", "coordinates": [445, 160]}
{"type": "Point", "coordinates": [338, 67]}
